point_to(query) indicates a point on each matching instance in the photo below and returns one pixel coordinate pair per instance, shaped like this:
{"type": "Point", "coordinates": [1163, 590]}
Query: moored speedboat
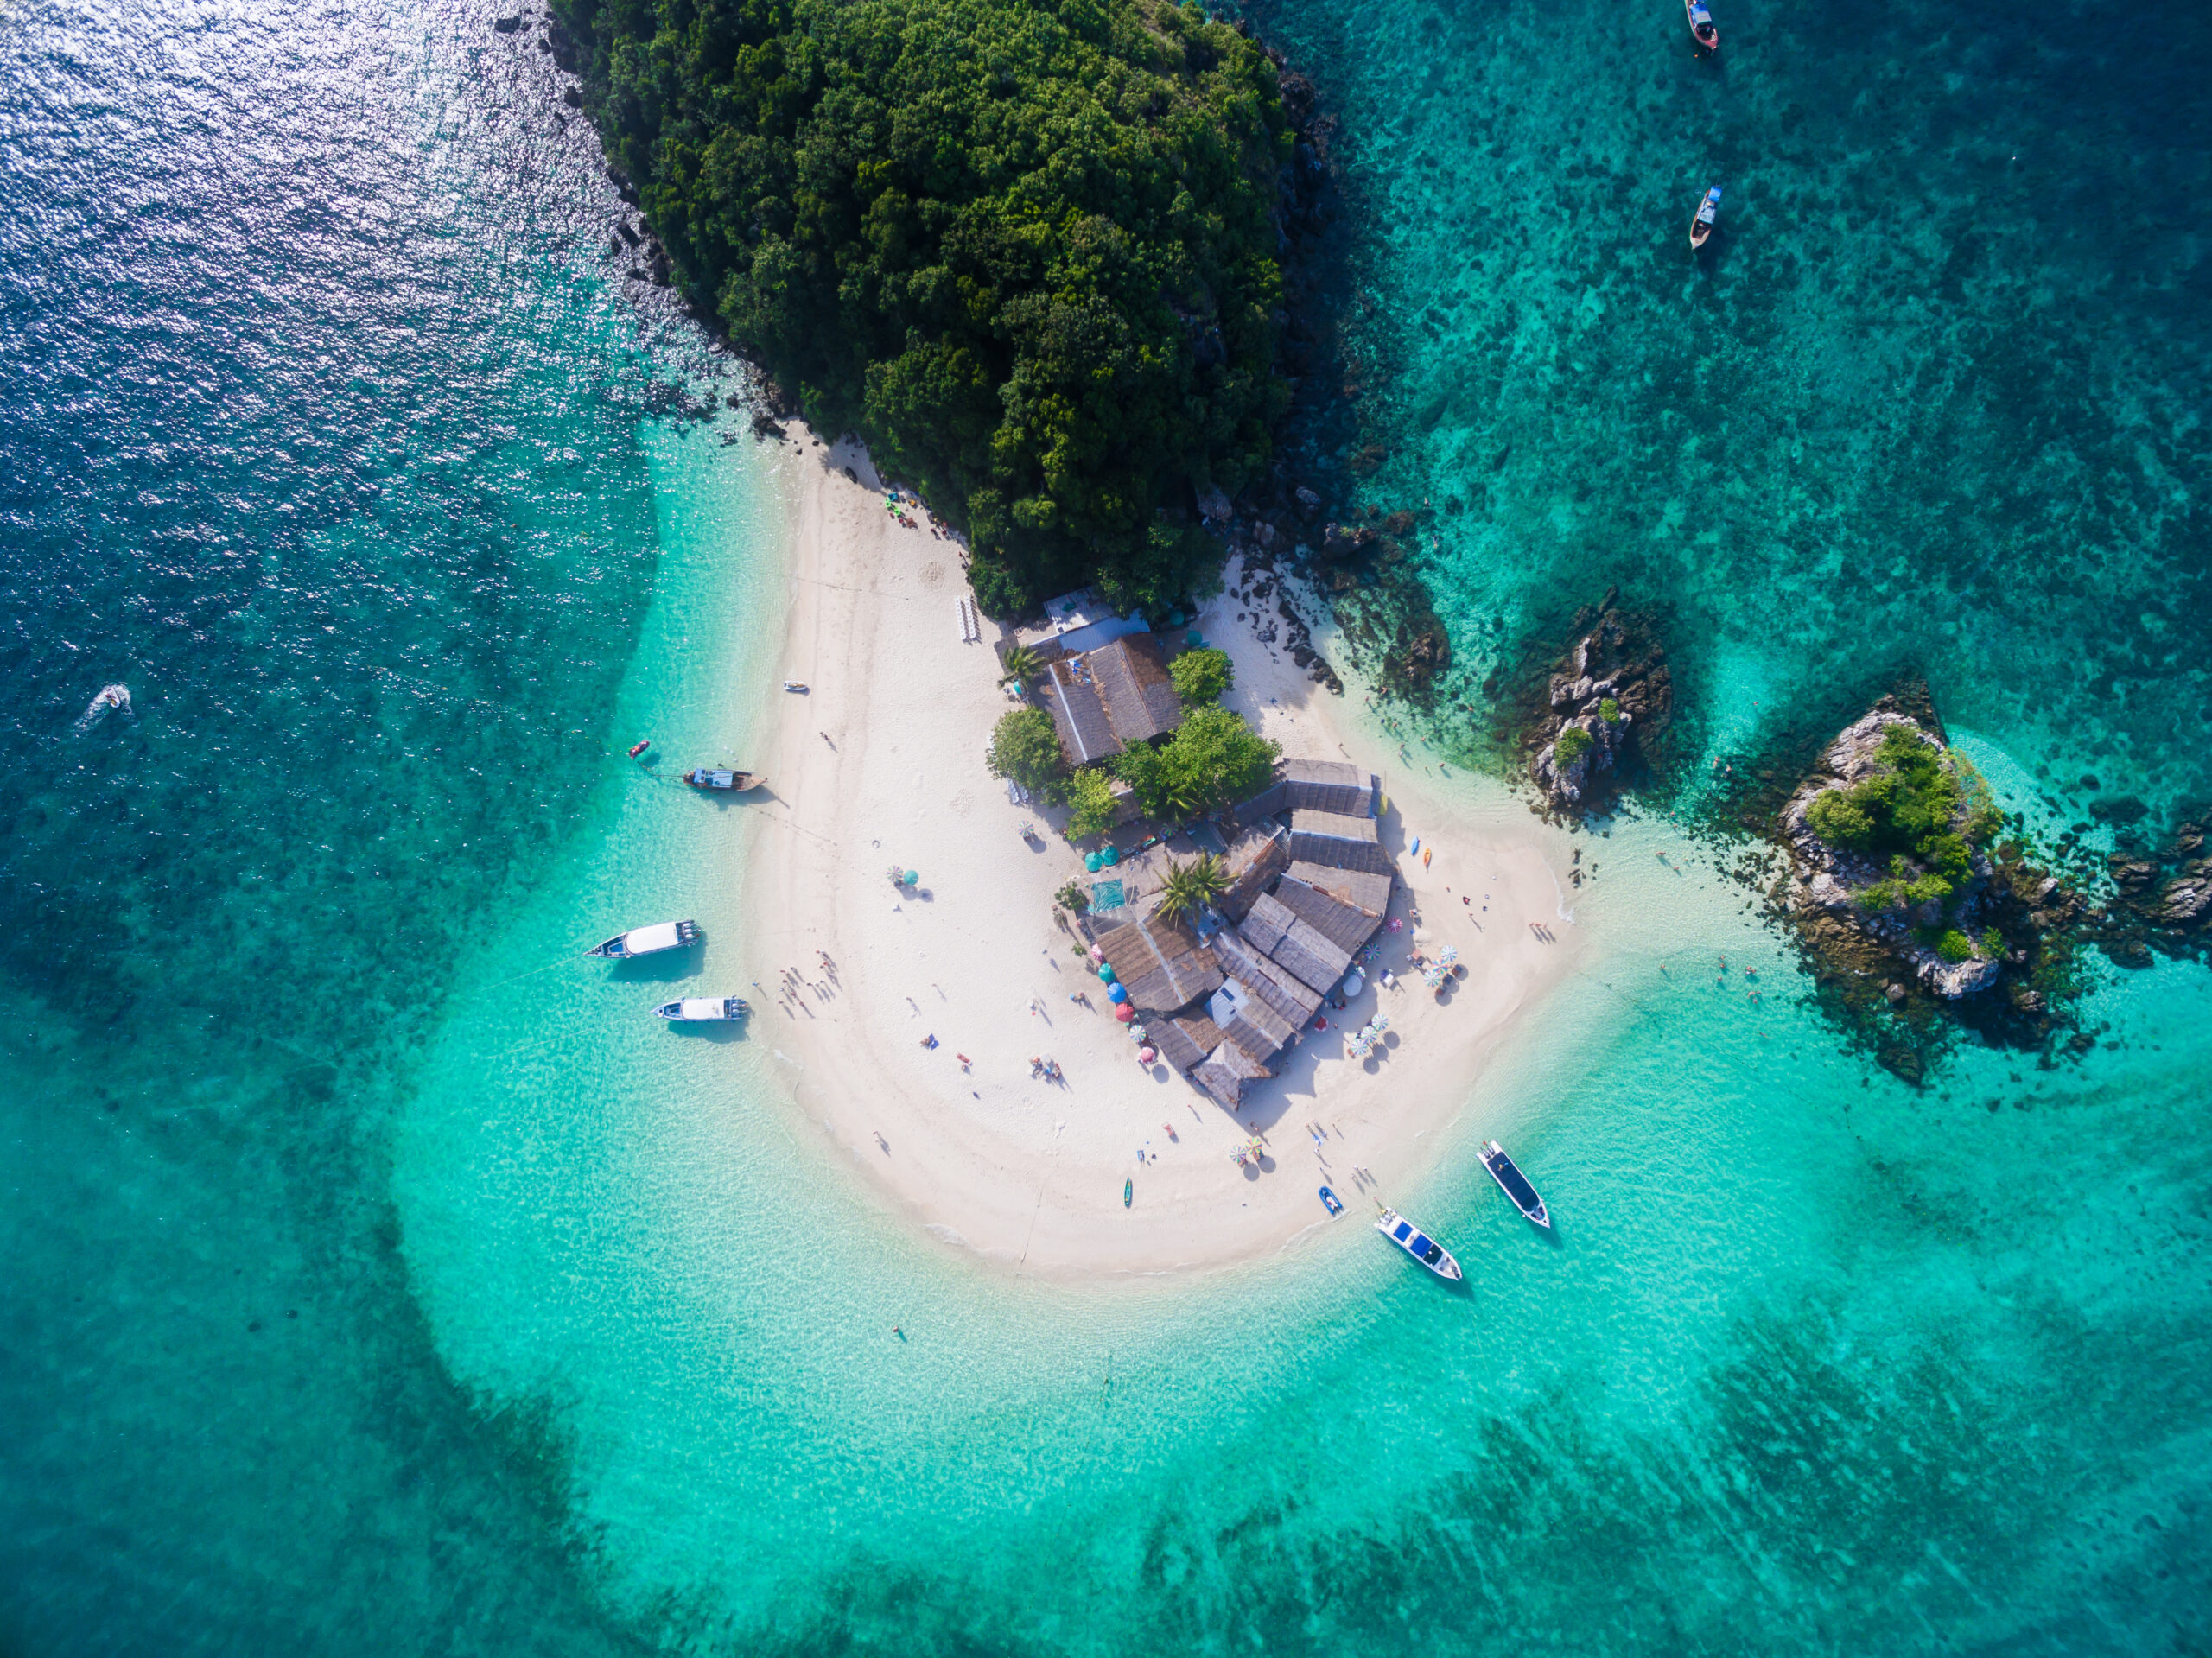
{"type": "Point", "coordinates": [1425, 1249]}
{"type": "Point", "coordinates": [692, 1009]}
{"type": "Point", "coordinates": [644, 941]}
{"type": "Point", "coordinates": [1508, 1175]}
{"type": "Point", "coordinates": [1708, 214]}
{"type": "Point", "coordinates": [722, 776]}
{"type": "Point", "coordinates": [1701, 29]}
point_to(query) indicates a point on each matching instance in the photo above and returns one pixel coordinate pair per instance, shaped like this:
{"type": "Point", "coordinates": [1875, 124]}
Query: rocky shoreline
{"type": "Point", "coordinates": [1607, 703]}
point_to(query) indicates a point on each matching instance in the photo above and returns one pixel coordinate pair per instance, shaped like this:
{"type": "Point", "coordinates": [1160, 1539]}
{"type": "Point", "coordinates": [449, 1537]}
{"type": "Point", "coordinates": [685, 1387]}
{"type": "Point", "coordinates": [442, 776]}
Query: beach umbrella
{"type": "Point", "coordinates": [1106, 971]}
{"type": "Point", "coordinates": [1116, 995]}
{"type": "Point", "coordinates": [913, 877]}
{"type": "Point", "coordinates": [1448, 955]}
{"type": "Point", "coordinates": [1126, 1013]}
{"type": "Point", "coordinates": [1091, 861]}
{"type": "Point", "coordinates": [1110, 856]}
{"type": "Point", "coordinates": [1145, 1056]}
{"type": "Point", "coordinates": [1097, 954]}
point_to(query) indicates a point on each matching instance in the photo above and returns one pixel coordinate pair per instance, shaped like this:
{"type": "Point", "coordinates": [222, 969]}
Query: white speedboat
{"type": "Point", "coordinates": [644, 941]}
{"type": "Point", "coordinates": [1516, 1184]}
{"type": "Point", "coordinates": [1423, 1248]}
{"type": "Point", "coordinates": [693, 1009]}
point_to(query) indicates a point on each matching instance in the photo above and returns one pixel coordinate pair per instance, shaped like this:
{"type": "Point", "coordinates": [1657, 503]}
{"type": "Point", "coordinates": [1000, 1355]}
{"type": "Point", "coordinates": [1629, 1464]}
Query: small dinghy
{"type": "Point", "coordinates": [712, 776]}
{"type": "Point", "coordinates": [1515, 1183]}
{"type": "Point", "coordinates": [1427, 1250]}
{"type": "Point", "coordinates": [644, 941]}
{"type": "Point", "coordinates": [1128, 1192]}
{"type": "Point", "coordinates": [795, 687]}
{"type": "Point", "coordinates": [1331, 1202]}
{"type": "Point", "coordinates": [1708, 213]}
{"type": "Point", "coordinates": [1701, 29]}
{"type": "Point", "coordinates": [693, 1009]}
{"type": "Point", "coordinates": [639, 748]}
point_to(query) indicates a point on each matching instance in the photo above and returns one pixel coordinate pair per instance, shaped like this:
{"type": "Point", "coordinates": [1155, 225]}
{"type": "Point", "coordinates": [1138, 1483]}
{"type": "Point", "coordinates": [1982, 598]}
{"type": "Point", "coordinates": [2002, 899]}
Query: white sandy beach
{"type": "Point", "coordinates": [881, 764]}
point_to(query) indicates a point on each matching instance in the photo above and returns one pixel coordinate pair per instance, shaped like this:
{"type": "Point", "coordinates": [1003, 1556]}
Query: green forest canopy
{"type": "Point", "coordinates": [1024, 248]}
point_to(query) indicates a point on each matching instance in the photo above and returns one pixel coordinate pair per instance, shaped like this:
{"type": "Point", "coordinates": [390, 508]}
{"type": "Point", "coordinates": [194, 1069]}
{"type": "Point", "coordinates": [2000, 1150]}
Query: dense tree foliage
{"type": "Point", "coordinates": [1024, 247]}
{"type": "Point", "coordinates": [1924, 805]}
{"type": "Point", "coordinates": [1213, 760]}
{"type": "Point", "coordinates": [1202, 675]}
{"type": "Point", "coordinates": [1092, 808]}
{"type": "Point", "coordinates": [1915, 804]}
{"type": "Point", "coordinates": [1026, 748]}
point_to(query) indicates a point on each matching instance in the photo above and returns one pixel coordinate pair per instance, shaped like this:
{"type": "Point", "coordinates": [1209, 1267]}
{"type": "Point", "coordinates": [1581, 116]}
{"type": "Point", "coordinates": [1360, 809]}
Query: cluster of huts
{"type": "Point", "coordinates": [1220, 996]}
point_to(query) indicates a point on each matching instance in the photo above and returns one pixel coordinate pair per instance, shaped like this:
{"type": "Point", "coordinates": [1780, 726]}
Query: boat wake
{"type": "Point", "coordinates": [110, 696]}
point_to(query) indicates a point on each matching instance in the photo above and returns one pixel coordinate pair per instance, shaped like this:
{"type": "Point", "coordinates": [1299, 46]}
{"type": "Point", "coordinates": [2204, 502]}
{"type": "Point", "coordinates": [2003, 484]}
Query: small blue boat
{"type": "Point", "coordinates": [1516, 1184]}
{"type": "Point", "coordinates": [1708, 213]}
{"type": "Point", "coordinates": [1331, 1202]}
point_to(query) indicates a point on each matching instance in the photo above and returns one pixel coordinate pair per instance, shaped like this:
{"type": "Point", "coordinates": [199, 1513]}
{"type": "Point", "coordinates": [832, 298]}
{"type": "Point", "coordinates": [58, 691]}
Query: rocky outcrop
{"type": "Point", "coordinates": [1835, 881]}
{"type": "Point", "coordinates": [1609, 699]}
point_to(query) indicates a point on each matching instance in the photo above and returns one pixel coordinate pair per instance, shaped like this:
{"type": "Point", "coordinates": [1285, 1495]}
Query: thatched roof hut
{"type": "Point", "coordinates": [1254, 859]}
{"type": "Point", "coordinates": [1133, 682]}
{"type": "Point", "coordinates": [1294, 1000]}
{"type": "Point", "coordinates": [1311, 957]}
{"type": "Point", "coordinates": [1334, 838]}
{"type": "Point", "coordinates": [1071, 696]}
{"type": "Point", "coordinates": [1183, 1042]}
{"type": "Point", "coordinates": [1355, 887]}
{"type": "Point", "coordinates": [1161, 965]}
{"type": "Point", "coordinates": [1225, 1072]}
{"type": "Point", "coordinates": [1335, 786]}
{"type": "Point", "coordinates": [1345, 925]}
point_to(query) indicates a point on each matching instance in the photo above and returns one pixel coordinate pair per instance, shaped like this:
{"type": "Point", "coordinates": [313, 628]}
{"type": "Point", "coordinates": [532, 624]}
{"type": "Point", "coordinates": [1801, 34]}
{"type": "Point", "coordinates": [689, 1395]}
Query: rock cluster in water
{"type": "Point", "coordinates": [1834, 882]}
{"type": "Point", "coordinates": [1610, 699]}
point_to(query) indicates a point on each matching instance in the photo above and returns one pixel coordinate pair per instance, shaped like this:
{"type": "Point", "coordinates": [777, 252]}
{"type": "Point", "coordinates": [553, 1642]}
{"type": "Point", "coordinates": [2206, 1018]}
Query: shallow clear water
{"type": "Point", "coordinates": [330, 431]}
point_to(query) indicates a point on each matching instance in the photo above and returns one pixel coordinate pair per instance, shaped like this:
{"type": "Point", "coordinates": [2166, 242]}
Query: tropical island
{"type": "Point", "coordinates": [968, 822]}
{"type": "Point", "coordinates": [1028, 256]}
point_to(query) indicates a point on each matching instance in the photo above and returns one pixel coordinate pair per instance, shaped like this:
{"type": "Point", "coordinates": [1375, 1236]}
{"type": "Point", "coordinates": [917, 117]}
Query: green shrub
{"type": "Point", "coordinates": [1907, 807]}
{"type": "Point", "coordinates": [1025, 747]}
{"type": "Point", "coordinates": [1840, 820]}
{"type": "Point", "coordinates": [1026, 251]}
{"type": "Point", "coordinates": [1954, 946]}
{"type": "Point", "coordinates": [1091, 792]}
{"type": "Point", "coordinates": [1202, 675]}
{"type": "Point", "coordinates": [1572, 744]}
{"type": "Point", "coordinates": [1215, 759]}
{"type": "Point", "coordinates": [1073, 898]}
{"type": "Point", "coordinates": [1609, 710]}
{"type": "Point", "coordinates": [1992, 943]}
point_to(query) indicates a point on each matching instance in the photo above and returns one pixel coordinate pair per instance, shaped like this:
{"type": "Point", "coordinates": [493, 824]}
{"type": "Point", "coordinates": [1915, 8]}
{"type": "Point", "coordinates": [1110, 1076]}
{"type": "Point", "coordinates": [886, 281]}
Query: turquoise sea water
{"type": "Point", "coordinates": [382, 1279]}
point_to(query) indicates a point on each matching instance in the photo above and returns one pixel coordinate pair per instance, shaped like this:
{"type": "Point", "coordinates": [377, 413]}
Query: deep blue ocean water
{"type": "Point", "coordinates": [369, 1291]}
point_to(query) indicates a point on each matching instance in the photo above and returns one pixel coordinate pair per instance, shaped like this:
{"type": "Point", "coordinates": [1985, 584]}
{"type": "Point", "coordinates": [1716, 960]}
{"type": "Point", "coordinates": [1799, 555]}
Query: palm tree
{"type": "Point", "coordinates": [1191, 885]}
{"type": "Point", "coordinates": [1020, 663]}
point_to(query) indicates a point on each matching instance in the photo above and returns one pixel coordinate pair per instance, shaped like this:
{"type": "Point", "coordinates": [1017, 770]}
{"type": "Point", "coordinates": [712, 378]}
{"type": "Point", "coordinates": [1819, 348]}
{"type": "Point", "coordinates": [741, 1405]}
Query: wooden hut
{"type": "Point", "coordinates": [1161, 965]}
{"type": "Point", "coordinates": [1345, 925]}
{"type": "Point", "coordinates": [1355, 887]}
{"type": "Point", "coordinates": [1334, 838]}
{"type": "Point", "coordinates": [1289, 996]}
{"type": "Point", "coordinates": [1225, 1072]}
{"type": "Point", "coordinates": [1185, 1039]}
{"type": "Point", "coordinates": [1253, 861]}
